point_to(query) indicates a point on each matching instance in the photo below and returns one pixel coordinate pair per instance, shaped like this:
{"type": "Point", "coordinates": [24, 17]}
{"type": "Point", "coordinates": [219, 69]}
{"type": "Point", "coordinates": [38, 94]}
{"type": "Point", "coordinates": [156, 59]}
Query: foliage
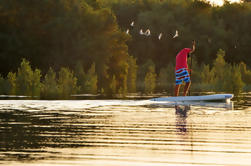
{"type": "Point", "coordinates": [143, 69]}
{"type": "Point", "coordinates": [113, 86]}
{"type": "Point", "coordinates": [3, 85]}
{"type": "Point", "coordinates": [12, 77]}
{"type": "Point", "coordinates": [162, 82]}
{"type": "Point", "coordinates": [50, 88]}
{"type": "Point", "coordinates": [245, 73]}
{"type": "Point", "coordinates": [89, 37]}
{"type": "Point", "coordinates": [235, 84]}
{"type": "Point", "coordinates": [91, 79]}
{"type": "Point", "coordinates": [67, 83]}
{"type": "Point", "coordinates": [207, 78]}
{"type": "Point", "coordinates": [150, 80]}
{"type": "Point", "coordinates": [225, 77]}
{"type": "Point", "coordinates": [80, 74]}
{"type": "Point", "coordinates": [36, 85]}
{"type": "Point", "coordinates": [68, 32]}
{"type": "Point", "coordinates": [132, 74]}
{"type": "Point", "coordinates": [28, 81]}
{"type": "Point", "coordinates": [220, 70]}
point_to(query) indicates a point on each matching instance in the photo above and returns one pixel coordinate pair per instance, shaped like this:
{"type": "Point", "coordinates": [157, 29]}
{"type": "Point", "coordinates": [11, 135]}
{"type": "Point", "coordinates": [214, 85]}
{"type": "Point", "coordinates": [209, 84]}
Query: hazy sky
{"type": "Point", "coordinates": [220, 2]}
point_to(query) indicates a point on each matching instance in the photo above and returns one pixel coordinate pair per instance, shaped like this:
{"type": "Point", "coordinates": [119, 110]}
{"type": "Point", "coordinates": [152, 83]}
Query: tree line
{"type": "Point", "coordinates": [29, 82]}
{"type": "Point", "coordinates": [82, 46]}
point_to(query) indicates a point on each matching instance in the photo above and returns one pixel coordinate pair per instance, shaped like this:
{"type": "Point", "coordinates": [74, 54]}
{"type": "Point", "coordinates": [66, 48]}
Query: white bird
{"type": "Point", "coordinates": [127, 31]}
{"type": "Point", "coordinates": [141, 32]}
{"type": "Point", "coordinates": [132, 24]}
{"type": "Point", "coordinates": [160, 35]}
{"type": "Point", "coordinates": [176, 34]}
{"type": "Point", "coordinates": [148, 32]}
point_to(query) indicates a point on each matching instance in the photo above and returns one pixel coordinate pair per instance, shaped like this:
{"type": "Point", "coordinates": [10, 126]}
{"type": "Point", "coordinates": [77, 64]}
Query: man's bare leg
{"type": "Point", "coordinates": [177, 89]}
{"type": "Point", "coordinates": [186, 88]}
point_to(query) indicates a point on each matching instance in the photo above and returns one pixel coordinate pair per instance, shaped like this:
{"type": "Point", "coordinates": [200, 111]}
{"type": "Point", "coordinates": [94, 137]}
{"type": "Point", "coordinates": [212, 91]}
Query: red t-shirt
{"type": "Point", "coordinates": [181, 58]}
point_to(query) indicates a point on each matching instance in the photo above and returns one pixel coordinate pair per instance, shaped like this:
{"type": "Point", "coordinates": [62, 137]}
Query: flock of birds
{"type": "Point", "coordinates": [148, 32]}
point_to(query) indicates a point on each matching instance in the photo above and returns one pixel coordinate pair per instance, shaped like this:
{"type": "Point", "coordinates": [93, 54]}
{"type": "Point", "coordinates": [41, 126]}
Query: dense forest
{"type": "Point", "coordinates": [56, 48]}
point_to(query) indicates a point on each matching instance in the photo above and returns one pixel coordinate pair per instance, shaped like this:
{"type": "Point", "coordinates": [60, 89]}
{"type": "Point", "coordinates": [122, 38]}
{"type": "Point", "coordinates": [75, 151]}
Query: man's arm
{"type": "Point", "coordinates": [193, 47]}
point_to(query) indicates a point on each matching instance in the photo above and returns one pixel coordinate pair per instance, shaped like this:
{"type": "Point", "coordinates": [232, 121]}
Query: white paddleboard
{"type": "Point", "coordinates": [217, 97]}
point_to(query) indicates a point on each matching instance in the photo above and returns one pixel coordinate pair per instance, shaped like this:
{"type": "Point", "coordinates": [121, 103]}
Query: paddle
{"type": "Point", "coordinates": [191, 65]}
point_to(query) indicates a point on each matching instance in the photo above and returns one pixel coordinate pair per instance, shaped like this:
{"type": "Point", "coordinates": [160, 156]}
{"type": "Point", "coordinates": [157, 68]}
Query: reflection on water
{"type": "Point", "coordinates": [181, 116]}
{"type": "Point", "coordinates": [121, 133]}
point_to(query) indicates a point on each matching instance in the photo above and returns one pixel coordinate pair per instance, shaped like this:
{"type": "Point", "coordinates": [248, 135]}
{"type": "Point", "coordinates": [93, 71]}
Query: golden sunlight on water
{"type": "Point", "coordinates": [122, 133]}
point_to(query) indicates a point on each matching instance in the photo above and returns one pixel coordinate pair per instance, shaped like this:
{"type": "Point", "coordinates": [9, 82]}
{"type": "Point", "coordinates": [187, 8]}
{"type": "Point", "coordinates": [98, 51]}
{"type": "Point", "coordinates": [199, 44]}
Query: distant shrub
{"type": "Point", "coordinates": [12, 78]}
{"type": "Point", "coordinates": [220, 70]}
{"type": "Point", "coordinates": [4, 86]}
{"type": "Point", "coordinates": [28, 81]}
{"type": "Point", "coordinates": [80, 74]}
{"type": "Point", "coordinates": [132, 74]}
{"type": "Point", "coordinates": [50, 87]}
{"type": "Point", "coordinates": [162, 82]}
{"type": "Point", "coordinates": [36, 84]}
{"type": "Point", "coordinates": [141, 74]}
{"type": "Point", "coordinates": [227, 78]}
{"type": "Point", "coordinates": [67, 83]}
{"type": "Point", "coordinates": [150, 80]}
{"type": "Point", "coordinates": [245, 74]}
{"type": "Point", "coordinates": [91, 80]}
{"type": "Point", "coordinates": [113, 86]}
{"type": "Point", "coordinates": [234, 83]}
{"type": "Point", "coordinates": [206, 78]}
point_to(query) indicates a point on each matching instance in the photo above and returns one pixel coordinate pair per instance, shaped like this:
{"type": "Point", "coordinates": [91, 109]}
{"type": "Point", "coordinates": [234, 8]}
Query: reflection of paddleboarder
{"type": "Point", "coordinates": [182, 111]}
{"type": "Point", "coordinates": [181, 70]}
{"type": "Point", "coordinates": [181, 118]}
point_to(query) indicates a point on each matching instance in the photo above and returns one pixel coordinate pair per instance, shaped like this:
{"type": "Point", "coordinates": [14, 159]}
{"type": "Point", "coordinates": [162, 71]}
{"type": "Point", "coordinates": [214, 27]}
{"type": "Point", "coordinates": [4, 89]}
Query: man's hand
{"type": "Point", "coordinates": [193, 48]}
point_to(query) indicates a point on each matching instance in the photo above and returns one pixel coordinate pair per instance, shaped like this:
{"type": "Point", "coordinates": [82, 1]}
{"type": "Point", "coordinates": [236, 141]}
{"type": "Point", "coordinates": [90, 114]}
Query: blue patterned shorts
{"type": "Point", "coordinates": [182, 75]}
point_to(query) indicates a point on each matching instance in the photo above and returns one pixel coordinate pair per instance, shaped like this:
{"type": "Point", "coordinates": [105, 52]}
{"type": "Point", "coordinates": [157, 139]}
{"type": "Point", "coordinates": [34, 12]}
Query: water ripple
{"type": "Point", "coordinates": [116, 132]}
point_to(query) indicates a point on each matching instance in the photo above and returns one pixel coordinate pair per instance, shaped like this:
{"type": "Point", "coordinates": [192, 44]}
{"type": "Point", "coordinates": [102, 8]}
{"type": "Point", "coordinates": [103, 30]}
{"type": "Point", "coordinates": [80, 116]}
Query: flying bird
{"type": "Point", "coordinates": [132, 24]}
{"type": "Point", "coordinates": [127, 31]}
{"type": "Point", "coordinates": [141, 32]}
{"type": "Point", "coordinates": [176, 34]}
{"type": "Point", "coordinates": [148, 32]}
{"type": "Point", "coordinates": [160, 35]}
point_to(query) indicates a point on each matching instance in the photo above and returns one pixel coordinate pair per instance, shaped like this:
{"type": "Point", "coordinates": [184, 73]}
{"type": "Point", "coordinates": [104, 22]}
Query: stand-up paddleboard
{"type": "Point", "coordinates": [217, 97]}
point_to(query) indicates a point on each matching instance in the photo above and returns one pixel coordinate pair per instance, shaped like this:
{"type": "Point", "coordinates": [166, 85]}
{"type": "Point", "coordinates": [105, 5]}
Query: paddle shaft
{"type": "Point", "coordinates": [191, 64]}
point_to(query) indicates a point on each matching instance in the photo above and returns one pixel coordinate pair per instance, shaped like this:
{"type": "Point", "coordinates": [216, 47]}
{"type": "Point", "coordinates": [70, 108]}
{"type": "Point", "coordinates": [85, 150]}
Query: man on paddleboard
{"type": "Point", "coordinates": [181, 70]}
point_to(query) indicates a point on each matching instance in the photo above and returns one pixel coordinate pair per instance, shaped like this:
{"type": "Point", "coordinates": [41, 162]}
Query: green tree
{"type": "Point", "coordinates": [150, 80]}
{"type": "Point", "coordinates": [81, 76]}
{"type": "Point", "coordinates": [28, 81]}
{"type": "Point", "coordinates": [245, 73]}
{"type": "Point", "coordinates": [206, 78]}
{"type": "Point", "coordinates": [143, 69]}
{"type": "Point", "coordinates": [163, 79]}
{"type": "Point", "coordinates": [227, 77]}
{"type": "Point", "coordinates": [113, 86]}
{"type": "Point", "coordinates": [36, 84]}
{"type": "Point", "coordinates": [68, 32]}
{"type": "Point", "coordinates": [67, 83]}
{"type": "Point", "coordinates": [132, 74]}
{"type": "Point", "coordinates": [12, 77]}
{"type": "Point", "coordinates": [91, 80]}
{"type": "Point", "coordinates": [171, 76]}
{"type": "Point", "coordinates": [220, 67]}
{"type": "Point", "coordinates": [3, 86]}
{"type": "Point", "coordinates": [50, 88]}
{"type": "Point", "coordinates": [235, 84]}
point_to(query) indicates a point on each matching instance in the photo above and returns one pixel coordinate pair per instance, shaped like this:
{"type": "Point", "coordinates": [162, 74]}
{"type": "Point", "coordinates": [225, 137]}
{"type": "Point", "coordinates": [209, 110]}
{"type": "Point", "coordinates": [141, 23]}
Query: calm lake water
{"type": "Point", "coordinates": [124, 133]}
